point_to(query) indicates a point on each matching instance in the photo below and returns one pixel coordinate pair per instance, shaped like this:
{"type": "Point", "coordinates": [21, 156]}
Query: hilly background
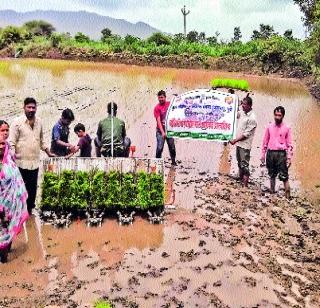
{"type": "Point", "coordinates": [90, 24]}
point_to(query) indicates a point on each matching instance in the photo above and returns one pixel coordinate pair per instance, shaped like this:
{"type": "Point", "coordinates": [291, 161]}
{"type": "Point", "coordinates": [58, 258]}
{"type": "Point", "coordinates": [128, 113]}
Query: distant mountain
{"type": "Point", "coordinates": [90, 24]}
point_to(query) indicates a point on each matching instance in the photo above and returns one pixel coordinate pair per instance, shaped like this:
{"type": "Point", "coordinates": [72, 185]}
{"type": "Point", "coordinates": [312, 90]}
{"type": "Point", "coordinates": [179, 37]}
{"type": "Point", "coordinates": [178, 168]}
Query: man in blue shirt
{"type": "Point", "coordinates": [60, 145]}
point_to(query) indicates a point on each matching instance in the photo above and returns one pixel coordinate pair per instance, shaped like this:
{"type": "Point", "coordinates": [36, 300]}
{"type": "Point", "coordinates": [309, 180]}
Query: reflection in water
{"type": "Point", "coordinates": [225, 161]}
{"type": "Point", "coordinates": [109, 241]}
{"type": "Point", "coordinates": [170, 193]}
{"type": "Point", "coordinates": [66, 248]}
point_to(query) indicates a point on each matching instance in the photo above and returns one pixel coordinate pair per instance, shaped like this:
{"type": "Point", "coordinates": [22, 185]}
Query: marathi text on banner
{"type": "Point", "coordinates": [203, 114]}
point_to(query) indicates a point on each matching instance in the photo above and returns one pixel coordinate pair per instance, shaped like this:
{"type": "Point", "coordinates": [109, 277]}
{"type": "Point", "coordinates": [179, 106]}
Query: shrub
{"type": "Point", "coordinates": [81, 38]}
{"type": "Point", "coordinates": [11, 35]}
{"type": "Point", "coordinates": [159, 39]}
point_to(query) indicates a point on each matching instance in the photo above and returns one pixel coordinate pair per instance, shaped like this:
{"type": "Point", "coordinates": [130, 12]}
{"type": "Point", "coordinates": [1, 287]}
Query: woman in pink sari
{"type": "Point", "coordinates": [13, 196]}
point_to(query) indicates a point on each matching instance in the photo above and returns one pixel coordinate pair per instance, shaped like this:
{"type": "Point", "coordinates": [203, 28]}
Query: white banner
{"type": "Point", "coordinates": [203, 114]}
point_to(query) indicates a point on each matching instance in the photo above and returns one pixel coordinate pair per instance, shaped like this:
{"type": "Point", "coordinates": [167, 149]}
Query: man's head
{"type": "Point", "coordinates": [115, 108]}
{"type": "Point", "coordinates": [279, 113]}
{"type": "Point", "coordinates": [4, 129]}
{"type": "Point", "coordinates": [80, 130]}
{"type": "Point", "coordinates": [247, 104]}
{"type": "Point", "coordinates": [162, 97]}
{"type": "Point", "coordinates": [67, 117]}
{"type": "Point", "coordinates": [30, 107]}
{"type": "Point", "coordinates": [2, 146]}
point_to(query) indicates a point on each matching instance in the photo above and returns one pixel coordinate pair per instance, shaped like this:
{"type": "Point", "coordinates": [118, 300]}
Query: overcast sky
{"type": "Point", "coordinates": [206, 15]}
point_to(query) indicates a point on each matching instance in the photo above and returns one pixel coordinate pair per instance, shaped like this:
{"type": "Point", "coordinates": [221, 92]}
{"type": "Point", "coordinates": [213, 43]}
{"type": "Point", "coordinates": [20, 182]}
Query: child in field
{"type": "Point", "coordinates": [84, 144]}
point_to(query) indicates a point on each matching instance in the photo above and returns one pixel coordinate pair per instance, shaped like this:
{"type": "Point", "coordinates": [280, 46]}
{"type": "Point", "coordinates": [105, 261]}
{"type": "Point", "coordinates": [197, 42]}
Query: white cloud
{"type": "Point", "coordinates": [206, 15]}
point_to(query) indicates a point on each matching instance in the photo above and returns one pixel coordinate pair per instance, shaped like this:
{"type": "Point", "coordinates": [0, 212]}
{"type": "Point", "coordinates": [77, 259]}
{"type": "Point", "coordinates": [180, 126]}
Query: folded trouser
{"type": "Point", "coordinates": [276, 162]}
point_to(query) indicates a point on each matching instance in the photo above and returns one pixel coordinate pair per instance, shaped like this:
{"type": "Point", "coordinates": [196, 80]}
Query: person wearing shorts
{"type": "Point", "coordinates": [277, 151]}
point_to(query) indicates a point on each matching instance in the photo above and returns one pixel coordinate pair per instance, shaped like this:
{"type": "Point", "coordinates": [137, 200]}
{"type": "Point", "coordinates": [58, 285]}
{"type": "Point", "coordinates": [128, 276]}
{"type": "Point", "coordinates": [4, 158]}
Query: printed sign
{"type": "Point", "coordinates": [203, 114]}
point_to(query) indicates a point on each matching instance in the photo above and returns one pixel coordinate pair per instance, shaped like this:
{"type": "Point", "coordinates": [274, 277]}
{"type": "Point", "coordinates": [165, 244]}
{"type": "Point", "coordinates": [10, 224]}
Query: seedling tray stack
{"type": "Point", "coordinates": [79, 185]}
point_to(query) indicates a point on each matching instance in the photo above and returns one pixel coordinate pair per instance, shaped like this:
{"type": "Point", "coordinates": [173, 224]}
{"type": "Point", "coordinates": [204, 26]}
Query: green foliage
{"type": "Point", "coordinates": [113, 188]}
{"type": "Point", "coordinates": [102, 304]}
{"type": "Point", "coordinates": [66, 190]}
{"type": "Point", "coordinates": [236, 34]}
{"type": "Point", "coordinates": [193, 36]}
{"type": "Point", "coordinates": [39, 28]}
{"type": "Point", "coordinates": [130, 39]}
{"type": "Point", "coordinates": [98, 191]}
{"type": "Point", "coordinates": [143, 190]}
{"type": "Point", "coordinates": [288, 34]}
{"type": "Point", "coordinates": [315, 39]}
{"type": "Point", "coordinates": [230, 83]}
{"type": "Point", "coordinates": [56, 39]}
{"type": "Point", "coordinates": [265, 32]}
{"type": "Point", "coordinates": [80, 188]}
{"type": "Point", "coordinates": [156, 190]}
{"type": "Point", "coordinates": [50, 191]}
{"type": "Point", "coordinates": [159, 39]}
{"type": "Point", "coordinates": [106, 33]}
{"type": "Point", "coordinates": [80, 37]}
{"type": "Point", "coordinates": [11, 34]}
{"type": "Point", "coordinates": [128, 191]}
{"type": "Point", "coordinates": [276, 51]}
{"type": "Point", "coordinates": [308, 8]}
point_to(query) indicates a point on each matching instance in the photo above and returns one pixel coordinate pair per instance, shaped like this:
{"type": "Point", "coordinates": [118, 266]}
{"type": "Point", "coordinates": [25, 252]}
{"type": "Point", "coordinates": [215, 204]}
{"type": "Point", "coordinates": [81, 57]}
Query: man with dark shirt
{"type": "Point", "coordinates": [160, 113]}
{"type": "Point", "coordinates": [84, 144]}
{"type": "Point", "coordinates": [60, 145]}
{"type": "Point", "coordinates": [103, 142]}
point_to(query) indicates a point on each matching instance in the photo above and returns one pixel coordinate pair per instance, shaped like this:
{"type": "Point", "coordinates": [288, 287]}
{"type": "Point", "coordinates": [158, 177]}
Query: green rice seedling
{"type": "Point", "coordinates": [98, 191]}
{"type": "Point", "coordinates": [143, 189]}
{"type": "Point", "coordinates": [113, 189]}
{"type": "Point", "coordinates": [128, 191]}
{"type": "Point", "coordinates": [50, 191]}
{"type": "Point", "coordinates": [80, 188]}
{"type": "Point", "coordinates": [230, 83]}
{"type": "Point", "coordinates": [156, 190]}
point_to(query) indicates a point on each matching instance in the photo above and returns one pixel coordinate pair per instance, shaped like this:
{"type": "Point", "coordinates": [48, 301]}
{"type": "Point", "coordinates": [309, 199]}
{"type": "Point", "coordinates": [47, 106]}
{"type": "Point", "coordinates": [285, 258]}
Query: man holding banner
{"type": "Point", "coordinates": [160, 113]}
{"type": "Point", "coordinates": [246, 128]}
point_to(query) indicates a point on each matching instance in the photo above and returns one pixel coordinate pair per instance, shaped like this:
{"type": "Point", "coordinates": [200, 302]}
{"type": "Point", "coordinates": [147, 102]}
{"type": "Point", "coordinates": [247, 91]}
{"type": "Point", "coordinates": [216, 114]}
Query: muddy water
{"type": "Point", "coordinates": [105, 259]}
{"type": "Point", "coordinates": [88, 87]}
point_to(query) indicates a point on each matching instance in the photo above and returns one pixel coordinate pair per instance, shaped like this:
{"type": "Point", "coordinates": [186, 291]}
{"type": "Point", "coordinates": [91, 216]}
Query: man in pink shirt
{"type": "Point", "coordinates": [160, 113]}
{"type": "Point", "coordinates": [277, 150]}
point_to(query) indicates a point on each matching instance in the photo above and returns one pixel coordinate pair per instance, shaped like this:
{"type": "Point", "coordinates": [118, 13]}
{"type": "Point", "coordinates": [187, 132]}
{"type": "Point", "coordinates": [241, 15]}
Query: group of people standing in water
{"type": "Point", "coordinates": [20, 148]}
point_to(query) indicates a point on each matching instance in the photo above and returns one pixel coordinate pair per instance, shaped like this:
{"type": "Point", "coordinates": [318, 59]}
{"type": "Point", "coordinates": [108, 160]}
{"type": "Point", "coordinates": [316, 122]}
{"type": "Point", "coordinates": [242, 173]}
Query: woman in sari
{"type": "Point", "coordinates": [13, 196]}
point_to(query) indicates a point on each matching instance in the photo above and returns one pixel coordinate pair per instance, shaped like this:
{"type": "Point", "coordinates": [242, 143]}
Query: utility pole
{"type": "Point", "coordinates": [185, 13]}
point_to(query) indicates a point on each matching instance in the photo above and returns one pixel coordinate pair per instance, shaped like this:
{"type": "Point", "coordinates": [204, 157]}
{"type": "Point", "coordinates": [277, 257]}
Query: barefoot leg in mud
{"type": "Point", "coordinates": [272, 185]}
{"type": "Point", "coordinates": [287, 189]}
{"type": "Point", "coordinates": [245, 180]}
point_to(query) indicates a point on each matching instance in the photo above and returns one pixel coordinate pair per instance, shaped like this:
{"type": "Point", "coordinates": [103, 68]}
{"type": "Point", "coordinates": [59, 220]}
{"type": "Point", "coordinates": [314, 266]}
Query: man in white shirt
{"type": "Point", "coordinates": [26, 141]}
{"type": "Point", "coordinates": [246, 128]}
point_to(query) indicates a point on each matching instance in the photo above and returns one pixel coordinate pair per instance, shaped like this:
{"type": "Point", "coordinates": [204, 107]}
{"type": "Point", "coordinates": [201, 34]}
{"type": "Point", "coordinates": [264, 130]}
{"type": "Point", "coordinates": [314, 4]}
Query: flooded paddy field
{"type": "Point", "coordinates": [223, 246]}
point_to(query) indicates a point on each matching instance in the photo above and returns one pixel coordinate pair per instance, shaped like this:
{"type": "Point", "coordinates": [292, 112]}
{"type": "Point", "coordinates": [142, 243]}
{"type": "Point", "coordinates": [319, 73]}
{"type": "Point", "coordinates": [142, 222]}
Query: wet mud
{"type": "Point", "coordinates": [223, 245]}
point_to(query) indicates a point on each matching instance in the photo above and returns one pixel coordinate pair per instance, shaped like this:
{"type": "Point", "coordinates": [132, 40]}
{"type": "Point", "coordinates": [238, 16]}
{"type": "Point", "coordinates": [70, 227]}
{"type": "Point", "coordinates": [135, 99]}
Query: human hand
{"type": "Point", "coordinates": [72, 149]}
{"type": "Point", "coordinates": [164, 136]}
{"type": "Point", "coordinates": [288, 162]}
{"type": "Point", "coordinates": [50, 154]}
